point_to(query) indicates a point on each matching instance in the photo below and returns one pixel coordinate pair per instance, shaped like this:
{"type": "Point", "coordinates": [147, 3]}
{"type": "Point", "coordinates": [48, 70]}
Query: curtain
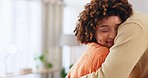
{"type": "Point", "coordinates": [53, 25]}
{"type": "Point", "coordinates": [20, 35]}
{"type": "Point", "coordinates": [27, 28]}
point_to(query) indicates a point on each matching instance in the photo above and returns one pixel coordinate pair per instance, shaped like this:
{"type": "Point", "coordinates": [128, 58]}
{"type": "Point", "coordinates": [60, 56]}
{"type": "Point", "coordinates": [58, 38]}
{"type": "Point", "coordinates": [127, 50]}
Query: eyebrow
{"type": "Point", "coordinates": [108, 25]}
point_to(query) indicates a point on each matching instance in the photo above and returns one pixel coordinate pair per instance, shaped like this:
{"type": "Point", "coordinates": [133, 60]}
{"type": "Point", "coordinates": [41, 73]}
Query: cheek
{"type": "Point", "coordinates": [100, 38]}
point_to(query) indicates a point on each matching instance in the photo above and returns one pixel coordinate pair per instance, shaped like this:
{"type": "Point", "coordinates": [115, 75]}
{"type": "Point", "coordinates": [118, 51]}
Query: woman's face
{"type": "Point", "coordinates": [107, 30]}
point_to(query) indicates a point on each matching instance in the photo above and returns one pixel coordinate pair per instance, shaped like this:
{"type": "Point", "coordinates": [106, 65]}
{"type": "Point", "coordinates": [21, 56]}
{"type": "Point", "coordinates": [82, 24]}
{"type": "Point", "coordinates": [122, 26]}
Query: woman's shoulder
{"type": "Point", "coordinates": [97, 48]}
{"type": "Point", "coordinates": [96, 45]}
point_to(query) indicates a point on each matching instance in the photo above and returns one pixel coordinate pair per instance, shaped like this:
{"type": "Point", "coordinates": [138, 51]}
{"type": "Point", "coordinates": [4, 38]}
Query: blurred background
{"type": "Point", "coordinates": [36, 36]}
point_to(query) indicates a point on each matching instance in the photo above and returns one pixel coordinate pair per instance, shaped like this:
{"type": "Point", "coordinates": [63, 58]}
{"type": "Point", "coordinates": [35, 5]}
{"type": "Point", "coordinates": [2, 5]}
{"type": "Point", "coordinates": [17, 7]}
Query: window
{"type": "Point", "coordinates": [20, 34]}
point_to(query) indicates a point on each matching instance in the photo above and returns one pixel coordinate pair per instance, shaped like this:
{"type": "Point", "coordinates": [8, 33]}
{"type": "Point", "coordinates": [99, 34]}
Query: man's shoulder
{"type": "Point", "coordinates": [137, 17]}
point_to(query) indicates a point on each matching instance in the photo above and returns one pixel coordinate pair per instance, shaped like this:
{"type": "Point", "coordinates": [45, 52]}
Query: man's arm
{"type": "Point", "coordinates": [129, 46]}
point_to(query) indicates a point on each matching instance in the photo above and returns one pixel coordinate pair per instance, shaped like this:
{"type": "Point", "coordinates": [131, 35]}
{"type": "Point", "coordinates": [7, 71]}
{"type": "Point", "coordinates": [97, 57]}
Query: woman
{"type": "Point", "coordinates": [97, 28]}
{"type": "Point", "coordinates": [97, 48]}
{"type": "Point", "coordinates": [129, 53]}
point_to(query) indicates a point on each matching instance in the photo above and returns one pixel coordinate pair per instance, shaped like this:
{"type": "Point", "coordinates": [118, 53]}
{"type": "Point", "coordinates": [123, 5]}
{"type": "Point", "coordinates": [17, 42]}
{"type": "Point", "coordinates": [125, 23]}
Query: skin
{"type": "Point", "coordinates": [106, 30]}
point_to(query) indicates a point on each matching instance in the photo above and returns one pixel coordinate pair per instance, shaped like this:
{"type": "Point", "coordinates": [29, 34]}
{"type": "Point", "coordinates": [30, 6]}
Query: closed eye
{"type": "Point", "coordinates": [104, 29]}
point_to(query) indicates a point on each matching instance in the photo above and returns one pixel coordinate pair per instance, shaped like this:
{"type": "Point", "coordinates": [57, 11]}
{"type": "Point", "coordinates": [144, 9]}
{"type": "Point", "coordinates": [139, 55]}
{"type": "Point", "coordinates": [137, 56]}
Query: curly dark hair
{"type": "Point", "coordinates": [94, 12]}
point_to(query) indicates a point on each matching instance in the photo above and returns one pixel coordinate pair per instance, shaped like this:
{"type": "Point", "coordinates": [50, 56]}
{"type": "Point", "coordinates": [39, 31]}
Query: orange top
{"type": "Point", "coordinates": [90, 61]}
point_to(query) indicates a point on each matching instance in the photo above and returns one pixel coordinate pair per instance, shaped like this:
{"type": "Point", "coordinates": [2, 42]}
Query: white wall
{"type": "Point", "coordinates": [71, 11]}
{"type": "Point", "coordinates": [140, 5]}
{"type": "Point", "coordinates": [70, 16]}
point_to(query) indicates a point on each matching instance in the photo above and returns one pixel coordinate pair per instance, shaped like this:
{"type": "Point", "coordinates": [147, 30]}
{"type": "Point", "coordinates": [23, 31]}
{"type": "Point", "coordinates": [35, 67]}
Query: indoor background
{"type": "Point", "coordinates": [36, 36]}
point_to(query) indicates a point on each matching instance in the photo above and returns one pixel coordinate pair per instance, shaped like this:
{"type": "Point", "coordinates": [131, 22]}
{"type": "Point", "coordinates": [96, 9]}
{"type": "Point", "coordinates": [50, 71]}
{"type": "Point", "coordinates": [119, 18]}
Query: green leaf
{"type": "Point", "coordinates": [63, 73]}
{"type": "Point", "coordinates": [49, 65]}
{"type": "Point", "coordinates": [42, 58]}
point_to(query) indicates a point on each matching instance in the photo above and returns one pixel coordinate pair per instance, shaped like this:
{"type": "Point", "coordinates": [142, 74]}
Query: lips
{"type": "Point", "coordinates": [110, 43]}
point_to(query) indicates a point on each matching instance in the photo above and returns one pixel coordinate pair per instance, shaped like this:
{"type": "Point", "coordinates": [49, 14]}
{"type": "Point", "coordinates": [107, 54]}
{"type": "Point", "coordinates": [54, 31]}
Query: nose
{"type": "Point", "coordinates": [113, 34]}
